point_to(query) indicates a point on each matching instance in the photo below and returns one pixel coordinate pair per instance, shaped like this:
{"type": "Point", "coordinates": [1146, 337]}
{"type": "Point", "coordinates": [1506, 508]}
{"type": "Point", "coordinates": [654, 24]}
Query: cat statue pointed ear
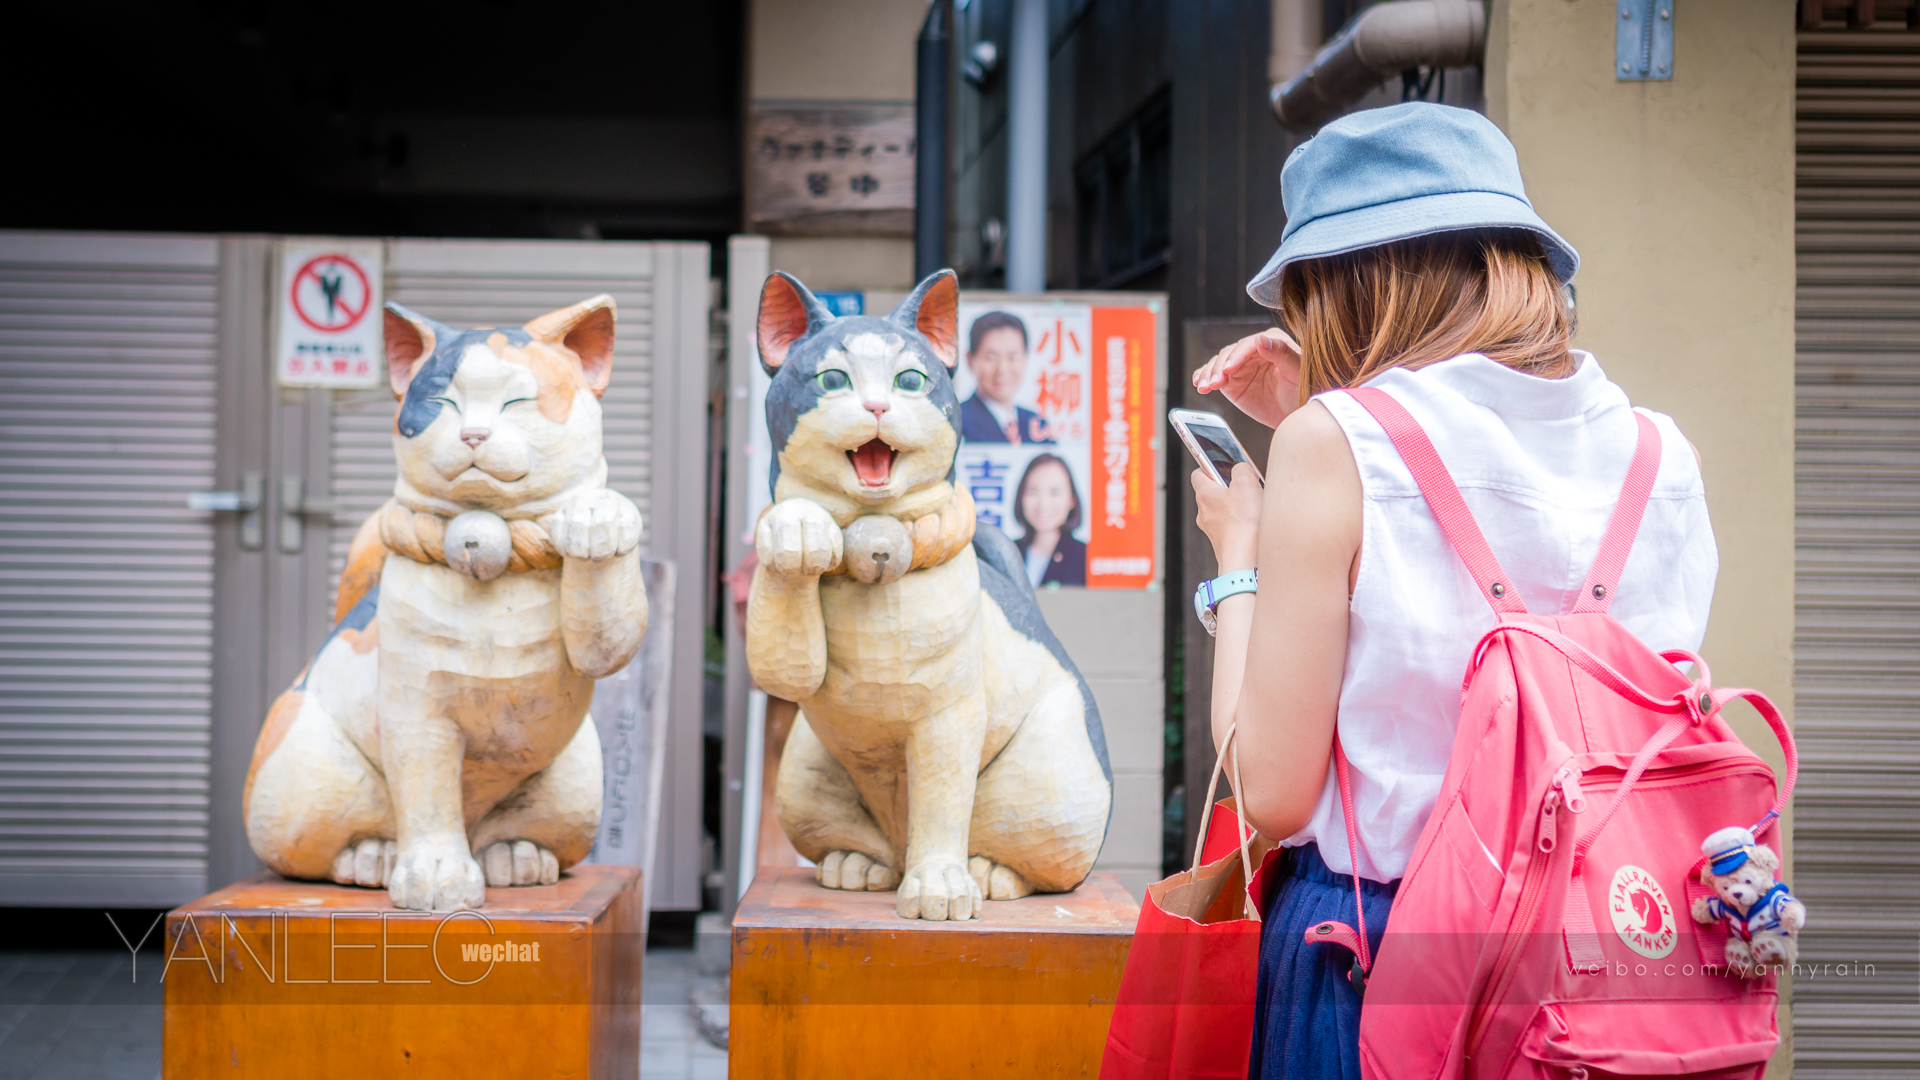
{"type": "Point", "coordinates": [789, 313]}
{"type": "Point", "coordinates": [436, 745]}
{"type": "Point", "coordinates": [585, 330]}
{"type": "Point", "coordinates": [932, 309]}
{"type": "Point", "coordinates": [410, 339]}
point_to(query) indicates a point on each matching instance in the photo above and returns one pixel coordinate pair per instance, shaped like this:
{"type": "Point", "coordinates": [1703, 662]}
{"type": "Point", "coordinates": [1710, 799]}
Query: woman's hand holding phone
{"type": "Point", "coordinates": [1260, 374]}
{"type": "Point", "coordinates": [1230, 516]}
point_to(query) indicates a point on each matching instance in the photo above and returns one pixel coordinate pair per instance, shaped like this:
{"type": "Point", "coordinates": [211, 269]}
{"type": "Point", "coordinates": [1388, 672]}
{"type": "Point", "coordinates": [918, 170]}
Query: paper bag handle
{"type": "Point", "coordinates": [1229, 748]}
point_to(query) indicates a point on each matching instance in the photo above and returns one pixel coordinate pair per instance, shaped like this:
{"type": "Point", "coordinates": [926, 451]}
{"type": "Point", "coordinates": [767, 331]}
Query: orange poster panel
{"type": "Point", "coordinates": [1120, 548]}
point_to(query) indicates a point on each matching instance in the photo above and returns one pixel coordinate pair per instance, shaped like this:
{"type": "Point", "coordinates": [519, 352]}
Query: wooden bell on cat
{"type": "Point", "coordinates": [878, 549]}
{"type": "Point", "coordinates": [478, 544]}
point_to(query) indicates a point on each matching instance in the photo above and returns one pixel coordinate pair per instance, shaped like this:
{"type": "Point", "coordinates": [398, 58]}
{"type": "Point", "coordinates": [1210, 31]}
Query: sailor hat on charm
{"type": "Point", "coordinates": [1726, 849]}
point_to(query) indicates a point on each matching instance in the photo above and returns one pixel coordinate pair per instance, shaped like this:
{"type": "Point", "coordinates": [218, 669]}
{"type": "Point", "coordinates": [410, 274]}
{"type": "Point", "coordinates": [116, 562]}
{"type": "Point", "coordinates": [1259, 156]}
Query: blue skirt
{"type": "Point", "coordinates": [1306, 1017]}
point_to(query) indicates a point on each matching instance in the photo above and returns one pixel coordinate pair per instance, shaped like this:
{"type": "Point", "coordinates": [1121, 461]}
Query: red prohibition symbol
{"type": "Point", "coordinates": [323, 295]}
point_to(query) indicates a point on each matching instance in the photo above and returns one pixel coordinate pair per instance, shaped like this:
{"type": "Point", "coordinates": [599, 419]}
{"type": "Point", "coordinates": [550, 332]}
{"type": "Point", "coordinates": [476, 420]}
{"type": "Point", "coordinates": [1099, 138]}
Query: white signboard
{"type": "Point", "coordinates": [327, 313]}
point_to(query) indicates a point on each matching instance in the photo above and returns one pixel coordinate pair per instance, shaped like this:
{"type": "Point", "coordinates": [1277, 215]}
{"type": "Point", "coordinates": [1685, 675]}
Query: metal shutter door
{"type": "Point", "coordinates": [505, 283]}
{"type": "Point", "coordinates": [107, 400]}
{"type": "Point", "coordinates": [1857, 646]}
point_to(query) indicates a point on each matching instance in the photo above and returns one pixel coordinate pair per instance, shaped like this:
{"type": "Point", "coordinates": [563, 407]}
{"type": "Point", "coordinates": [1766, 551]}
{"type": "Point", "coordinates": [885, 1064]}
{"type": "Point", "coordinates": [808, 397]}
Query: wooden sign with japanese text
{"type": "Point", "coordinates": [831, 170]}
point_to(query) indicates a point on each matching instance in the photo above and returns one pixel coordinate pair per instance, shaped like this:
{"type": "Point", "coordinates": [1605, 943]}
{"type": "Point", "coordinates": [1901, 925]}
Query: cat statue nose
{"type": "Point", "coordinates": [474, 436]}
{"type": "Point", "coordinates": [877, 408]}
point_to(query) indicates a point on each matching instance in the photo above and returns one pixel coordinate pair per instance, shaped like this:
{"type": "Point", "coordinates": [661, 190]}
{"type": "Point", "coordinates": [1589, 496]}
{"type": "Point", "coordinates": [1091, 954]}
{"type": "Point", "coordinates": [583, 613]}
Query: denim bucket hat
{"type": "Point", "coordinates": [1397, 173]}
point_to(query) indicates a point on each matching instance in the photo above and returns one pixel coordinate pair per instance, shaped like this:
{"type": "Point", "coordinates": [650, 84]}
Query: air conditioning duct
{"type": "Point", "coordinates": [1383, 41]}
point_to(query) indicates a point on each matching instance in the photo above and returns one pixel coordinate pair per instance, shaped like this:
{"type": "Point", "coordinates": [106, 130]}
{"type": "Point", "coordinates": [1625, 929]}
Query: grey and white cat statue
{"type": "Point", "coordinates": [947, 748]}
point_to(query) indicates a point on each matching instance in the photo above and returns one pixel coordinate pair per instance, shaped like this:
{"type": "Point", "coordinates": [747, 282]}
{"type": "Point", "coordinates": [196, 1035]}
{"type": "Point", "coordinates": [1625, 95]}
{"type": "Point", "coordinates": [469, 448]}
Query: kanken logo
{"type": "Point", "coordinates": [1641, 915]}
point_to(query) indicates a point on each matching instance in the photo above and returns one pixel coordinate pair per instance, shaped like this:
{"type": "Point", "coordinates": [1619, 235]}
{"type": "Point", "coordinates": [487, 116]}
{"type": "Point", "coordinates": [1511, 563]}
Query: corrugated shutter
{"type": "Point", "coordinates": [107, 408]}
{"type": "Point", "coordinates": [468, 283]}
{"type": "Point", "coordinates": [1857, 647]}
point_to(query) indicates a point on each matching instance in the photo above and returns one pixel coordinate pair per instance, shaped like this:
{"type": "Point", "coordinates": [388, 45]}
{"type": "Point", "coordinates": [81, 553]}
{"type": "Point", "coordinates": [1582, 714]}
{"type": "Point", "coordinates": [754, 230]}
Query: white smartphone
{"type": "Point", "coordinates": [1211, 442]}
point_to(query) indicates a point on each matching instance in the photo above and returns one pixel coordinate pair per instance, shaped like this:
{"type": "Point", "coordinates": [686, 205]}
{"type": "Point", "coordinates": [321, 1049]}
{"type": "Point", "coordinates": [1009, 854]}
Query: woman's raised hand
{"type": "Point", "coordinates": [1259, 374]}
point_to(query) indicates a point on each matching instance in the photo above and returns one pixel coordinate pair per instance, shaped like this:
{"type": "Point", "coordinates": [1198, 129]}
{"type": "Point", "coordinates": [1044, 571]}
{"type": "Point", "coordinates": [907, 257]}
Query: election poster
{"type": "Point", "coordinates": [1057, 403]}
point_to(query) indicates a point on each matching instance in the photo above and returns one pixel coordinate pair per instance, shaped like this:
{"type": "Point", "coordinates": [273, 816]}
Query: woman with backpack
{"type": "Point", "coordinates": [1412, 262]}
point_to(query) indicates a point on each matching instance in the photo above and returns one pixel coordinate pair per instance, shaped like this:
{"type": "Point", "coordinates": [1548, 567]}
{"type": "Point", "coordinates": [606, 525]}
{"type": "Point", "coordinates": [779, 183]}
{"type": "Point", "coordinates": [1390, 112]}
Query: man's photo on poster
{"type": "Point", "coordinates": [996, 361]}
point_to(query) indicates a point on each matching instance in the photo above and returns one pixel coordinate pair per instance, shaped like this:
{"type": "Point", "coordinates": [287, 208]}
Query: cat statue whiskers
{"type": "Point", "coordinates": [438, 743]}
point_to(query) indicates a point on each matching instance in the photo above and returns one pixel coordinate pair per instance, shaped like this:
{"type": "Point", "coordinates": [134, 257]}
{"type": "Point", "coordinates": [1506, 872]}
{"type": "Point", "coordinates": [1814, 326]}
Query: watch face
{"type": "Point", "coordinates": [1209, 620]}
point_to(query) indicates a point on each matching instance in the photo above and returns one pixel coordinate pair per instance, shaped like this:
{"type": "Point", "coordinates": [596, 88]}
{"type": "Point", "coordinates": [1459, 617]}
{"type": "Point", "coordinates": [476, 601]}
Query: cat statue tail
{"type": "Point", "coordinates": [1003, 577]}
{"type": "Point", "coordinates": [365, 559]}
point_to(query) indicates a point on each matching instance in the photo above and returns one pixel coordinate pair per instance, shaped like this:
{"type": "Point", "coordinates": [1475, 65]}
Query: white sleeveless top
{"type": "Point", "coordinates": [1540, 462]}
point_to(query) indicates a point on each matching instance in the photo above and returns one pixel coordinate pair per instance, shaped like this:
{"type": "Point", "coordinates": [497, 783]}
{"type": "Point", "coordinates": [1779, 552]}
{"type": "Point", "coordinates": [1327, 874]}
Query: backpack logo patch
{"type": "Point", "coordinates": [1641, 914]}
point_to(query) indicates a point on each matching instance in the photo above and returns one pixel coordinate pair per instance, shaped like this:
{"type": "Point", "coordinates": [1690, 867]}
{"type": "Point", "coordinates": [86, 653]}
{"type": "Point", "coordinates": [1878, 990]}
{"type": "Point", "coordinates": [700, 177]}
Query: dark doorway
{"type": "Point", "coordinates": [1123, 191]}
{"type": "Point", "coordinates": [479, 119]}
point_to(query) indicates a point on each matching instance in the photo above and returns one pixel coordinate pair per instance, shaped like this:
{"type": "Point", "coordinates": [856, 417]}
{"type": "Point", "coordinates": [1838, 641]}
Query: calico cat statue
{"type": "Point", "coordinates": [947, 746]}
{"type": "Point", "coordinates": [447, 714]}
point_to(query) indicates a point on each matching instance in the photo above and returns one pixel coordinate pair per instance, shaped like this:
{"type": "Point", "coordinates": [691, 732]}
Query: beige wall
{"type": "Point", "coordinates": [833, 50]}
{"type": "Point", "coordinates": [1679, 197]}
{"type": "Point", "coordinates": [836, 51]}
{"type": "Point", "coordinates": [847, 263]}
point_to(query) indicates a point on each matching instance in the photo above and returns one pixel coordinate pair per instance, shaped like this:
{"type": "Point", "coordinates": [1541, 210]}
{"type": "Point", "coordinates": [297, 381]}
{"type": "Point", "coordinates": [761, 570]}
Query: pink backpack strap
{"type": "Point", "coordinates": [1604, 578]}
{"type": "Point", "coordinates": [1443, 497]}
{"type": "Point", "coordinates": [1333, 931]}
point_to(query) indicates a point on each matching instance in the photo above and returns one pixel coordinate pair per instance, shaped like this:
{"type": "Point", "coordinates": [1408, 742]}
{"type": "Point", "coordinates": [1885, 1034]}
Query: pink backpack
{"type": "Point", "coordinates": [1543, 926]}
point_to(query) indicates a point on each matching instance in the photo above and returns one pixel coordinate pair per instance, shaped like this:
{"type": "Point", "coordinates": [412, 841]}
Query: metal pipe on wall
{"type": "Point", "coordinates": [1385, 40]}
{"type": "Point", "coordinates": [1299, 29]}
{"type": "Point", "coordinates": [1027, 148]}
{"type": "Point", "coordinates": [930, 141]}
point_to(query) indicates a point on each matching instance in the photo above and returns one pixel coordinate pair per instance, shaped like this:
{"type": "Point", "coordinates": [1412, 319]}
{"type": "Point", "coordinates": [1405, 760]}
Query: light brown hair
{"type": "Point", "coordinates": [1417, 302]}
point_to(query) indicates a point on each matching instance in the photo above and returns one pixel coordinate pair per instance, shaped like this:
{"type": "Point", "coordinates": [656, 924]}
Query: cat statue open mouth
{"type": "Point", "coordinates": [947, 746]}
{"type": "Point", "coordinates": [439, 742]}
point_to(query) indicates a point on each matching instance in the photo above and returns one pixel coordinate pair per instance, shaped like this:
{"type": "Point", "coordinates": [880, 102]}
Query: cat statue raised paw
{"type": "Point", "coordinates": [947, 746]}
{"type": "Point", "coordinates": [439, 742]}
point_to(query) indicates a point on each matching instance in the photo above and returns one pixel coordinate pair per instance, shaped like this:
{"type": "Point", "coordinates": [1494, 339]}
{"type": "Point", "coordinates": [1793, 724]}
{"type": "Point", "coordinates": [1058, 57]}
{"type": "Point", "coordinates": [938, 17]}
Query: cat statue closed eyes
{"type": "Point", "coordinates": [438, 743]}
{"type": "Point", "coordinates": [947, 747]}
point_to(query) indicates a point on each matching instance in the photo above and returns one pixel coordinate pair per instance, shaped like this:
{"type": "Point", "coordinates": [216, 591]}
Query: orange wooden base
{"type": "Point", "coordinates": [834, 984]}
{"type": "Point", "coordinates": [294, 979]}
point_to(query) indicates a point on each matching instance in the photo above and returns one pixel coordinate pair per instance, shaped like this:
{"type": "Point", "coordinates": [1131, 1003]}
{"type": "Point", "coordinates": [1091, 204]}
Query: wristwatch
{"type": "Point", "coordinates": [1208, 596]}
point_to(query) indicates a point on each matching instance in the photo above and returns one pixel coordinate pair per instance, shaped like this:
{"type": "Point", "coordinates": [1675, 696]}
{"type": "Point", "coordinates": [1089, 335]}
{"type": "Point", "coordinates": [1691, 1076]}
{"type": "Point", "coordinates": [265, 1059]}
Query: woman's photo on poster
{"type": "Point", "coordinates": [1046, 505]}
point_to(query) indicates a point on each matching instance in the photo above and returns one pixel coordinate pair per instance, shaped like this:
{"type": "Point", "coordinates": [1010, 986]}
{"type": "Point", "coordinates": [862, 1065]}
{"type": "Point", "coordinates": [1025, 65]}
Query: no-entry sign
{"type": "Point", "coordinates": [328, 314]}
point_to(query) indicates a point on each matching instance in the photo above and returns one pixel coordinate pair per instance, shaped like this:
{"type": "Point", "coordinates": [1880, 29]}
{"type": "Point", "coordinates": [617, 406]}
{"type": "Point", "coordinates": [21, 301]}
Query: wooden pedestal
{"type": "Point", "coordinates": [829, 983]}
{"type": "Point", "coordinates": [292, 979]}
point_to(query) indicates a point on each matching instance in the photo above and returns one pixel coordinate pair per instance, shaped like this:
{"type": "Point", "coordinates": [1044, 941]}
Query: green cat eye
{"type": "Point", "coordinates": [909, 381]}
{"type": "Point", "coordinates": [834, 379]}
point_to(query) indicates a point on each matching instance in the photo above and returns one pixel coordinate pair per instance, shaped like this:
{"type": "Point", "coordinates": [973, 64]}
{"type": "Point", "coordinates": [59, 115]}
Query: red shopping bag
{"type": "Point", "coordinates": [1185, 1007]}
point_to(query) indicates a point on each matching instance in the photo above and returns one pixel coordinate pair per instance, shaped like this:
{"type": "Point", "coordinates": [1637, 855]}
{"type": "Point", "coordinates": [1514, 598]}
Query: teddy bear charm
{"type": "Point", "coordinates": [1761, 916]}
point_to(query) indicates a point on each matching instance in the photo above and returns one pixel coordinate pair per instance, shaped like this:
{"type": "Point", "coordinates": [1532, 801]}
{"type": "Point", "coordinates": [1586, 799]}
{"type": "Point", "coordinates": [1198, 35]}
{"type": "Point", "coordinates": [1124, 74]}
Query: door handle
{"type": "Point", "coordinates": [245, 502]}
{"type": "Point", "coordinates": [294, 508]}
